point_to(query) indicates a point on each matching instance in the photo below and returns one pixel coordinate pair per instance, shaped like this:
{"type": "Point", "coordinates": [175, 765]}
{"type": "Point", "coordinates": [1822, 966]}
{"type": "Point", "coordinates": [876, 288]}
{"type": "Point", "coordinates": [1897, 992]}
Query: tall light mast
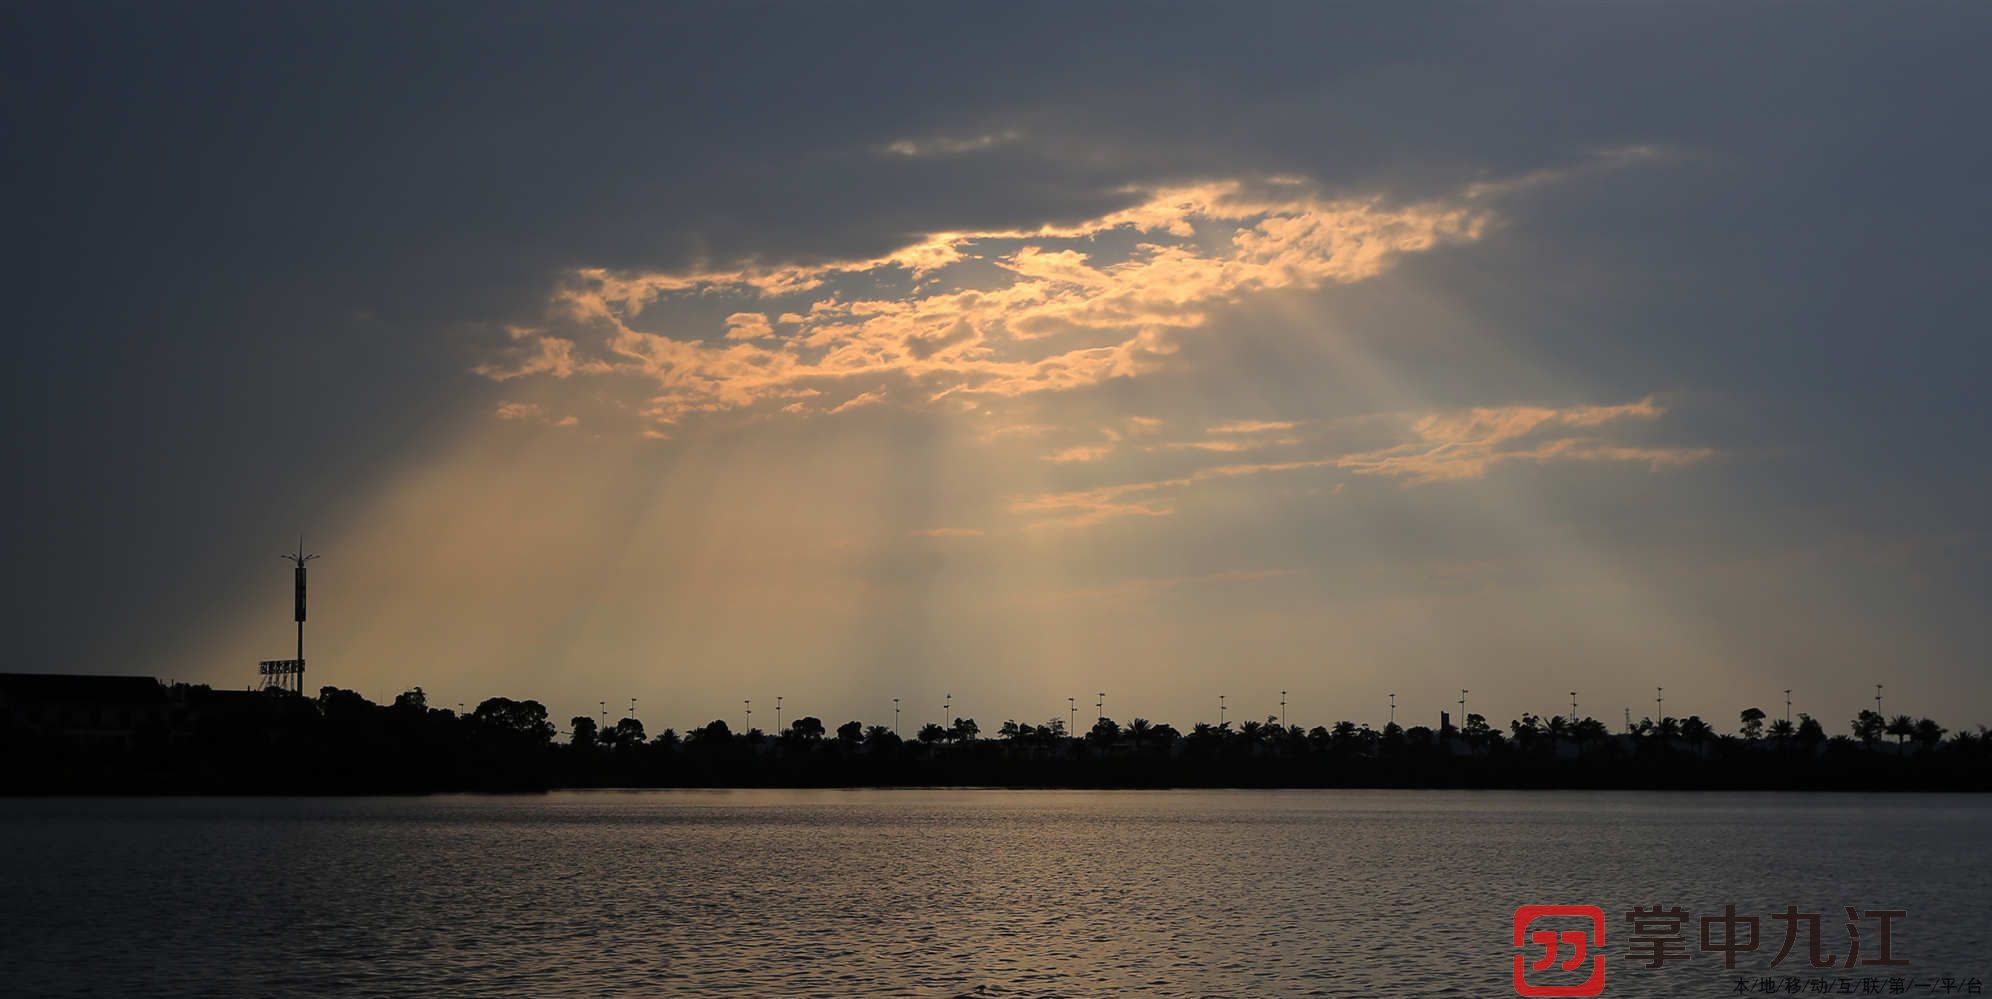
{"type": "Point", "coordinates": [288, 674]}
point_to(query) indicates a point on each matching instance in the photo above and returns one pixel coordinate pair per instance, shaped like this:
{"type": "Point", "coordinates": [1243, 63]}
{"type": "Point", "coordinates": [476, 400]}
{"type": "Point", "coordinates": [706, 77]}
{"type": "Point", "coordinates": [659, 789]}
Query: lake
{"type": "Point", "coordinates": [958, 892]}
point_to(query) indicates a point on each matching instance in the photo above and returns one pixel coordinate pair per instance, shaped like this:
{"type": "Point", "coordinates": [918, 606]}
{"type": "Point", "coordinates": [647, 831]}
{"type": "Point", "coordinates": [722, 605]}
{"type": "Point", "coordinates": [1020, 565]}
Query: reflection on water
{"type": "Point", "coordinates": [1332, 893]}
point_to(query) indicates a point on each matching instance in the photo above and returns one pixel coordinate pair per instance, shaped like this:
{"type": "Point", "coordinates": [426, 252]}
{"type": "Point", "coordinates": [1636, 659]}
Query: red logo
{"type": "Point", "coordinates": [1571, 946]}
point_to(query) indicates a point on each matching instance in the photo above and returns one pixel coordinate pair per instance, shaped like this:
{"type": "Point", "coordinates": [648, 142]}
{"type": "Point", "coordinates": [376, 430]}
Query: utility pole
{"type": "Point", "coordinates": [1282, 709]}
{"type": "Point", "coordinates": [1573, 705]}
{"type": "Point", "coordinates": [750, 712]}
{"type": "Point", "coordinates": [1877, 697]}
{"type": "Point", "coordinates": [605, 714]}
{"type": "Point", "coordinates": [947, 711]}
{"type": "Point", "coordinates": [778, 714]}
{"type": "Point", "coordinates": [1102, 704]}
{"type": "Point", "coordinates": [1628, 719]}
{"type": "Point", "coordinates": [1462, 708]}
{"type": "Point", "coordinates": [1393, 709]}
{"type": "Point", "coordinates": [1659, 704]}
{"type": "Point", "coordinates": [895, 716]}
{"type": "Point", "coordinates": [632, 707]}
{"type": "Point", "coordinates": [1220, 710]}
{"type": "Point", "coordinates": [1071, 709]}
{"type": "Point", "coordinates": [1787, 705]}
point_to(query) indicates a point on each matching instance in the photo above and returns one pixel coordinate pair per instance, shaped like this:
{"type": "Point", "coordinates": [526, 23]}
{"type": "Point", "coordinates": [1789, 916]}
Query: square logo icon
{"type": "Point", "coordinates": [1561, 950]}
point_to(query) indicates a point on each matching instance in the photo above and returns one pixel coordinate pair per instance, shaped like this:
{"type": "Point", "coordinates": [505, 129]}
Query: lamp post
{"type": "Point", "coordinates": [1393, 709]}
{"type": "Point", "coordinates": [1787, 705]}
{"type": "Point", "coordinates": [1659, 703]}
{"type": "Point", "coordinates": [1877, 698]}
{"type": "Point", "coordinates": [895, 716]}
{"type": "Point", "coordinates": [1102, 704]}
{"type": "Point", "coordinates": [1573, 705]}
{"type": "Point", "coordinates": [778, 714]}
{"type": "Point", "coordinates": [750, 712]}
{"type": "Point", "coordinates": [1283, 709]}
{"type": "Point", "coordinates": [1220, 710]}
{"type": "Point", "coordinates": [1462, 708]}
{"type": "Point", "coordinates": [947, 710]}
{"type": "Point", "coordinates": [1071, 710]}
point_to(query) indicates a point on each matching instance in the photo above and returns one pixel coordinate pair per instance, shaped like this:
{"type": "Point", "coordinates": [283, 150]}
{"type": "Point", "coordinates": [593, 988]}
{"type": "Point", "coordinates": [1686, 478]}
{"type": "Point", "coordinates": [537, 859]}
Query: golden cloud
{"type": "Point", "coordinates": [1066, 316]}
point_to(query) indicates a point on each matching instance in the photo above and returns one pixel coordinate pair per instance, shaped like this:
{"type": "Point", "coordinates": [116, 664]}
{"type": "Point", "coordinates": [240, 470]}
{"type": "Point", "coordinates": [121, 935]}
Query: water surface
{"type": "Point", "coordinates": [946, 892]}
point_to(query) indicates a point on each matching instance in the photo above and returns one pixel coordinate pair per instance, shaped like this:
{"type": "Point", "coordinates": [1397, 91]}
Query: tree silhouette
{"type": "Point", "coordinates": [1929, 733]}
{"type": "Point", "coordinates": [339, 742]}
{"type": "Point", "coordinates": [1138, 731]}
{"type": "Point", "coordinates": [1901, 727]}
{"type": "Point", "coordinates": [524, 719]}
{"type": "Point", "coordinates": [1782, 730]}
{"type": "Point", "coordinates": [1105, 733]}
{"type": "Point", "coordinates": [1753, 723]}
{"type": "Point", "coordinates": [1868, 726]}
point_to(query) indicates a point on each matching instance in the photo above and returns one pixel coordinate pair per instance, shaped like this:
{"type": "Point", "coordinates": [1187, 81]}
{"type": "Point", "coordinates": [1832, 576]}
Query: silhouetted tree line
{"type": "Point", "coordinates": [341, 742]}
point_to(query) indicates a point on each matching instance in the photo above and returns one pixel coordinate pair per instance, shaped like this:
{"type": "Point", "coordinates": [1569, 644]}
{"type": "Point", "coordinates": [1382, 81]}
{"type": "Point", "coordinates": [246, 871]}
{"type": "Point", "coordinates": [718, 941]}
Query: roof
{"type": "Point", "coordinates": [104, 688]}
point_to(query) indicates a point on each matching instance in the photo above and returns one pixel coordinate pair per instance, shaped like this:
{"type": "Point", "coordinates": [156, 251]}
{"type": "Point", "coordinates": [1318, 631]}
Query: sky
{"type": "Point", "coordinates": [986, 356]}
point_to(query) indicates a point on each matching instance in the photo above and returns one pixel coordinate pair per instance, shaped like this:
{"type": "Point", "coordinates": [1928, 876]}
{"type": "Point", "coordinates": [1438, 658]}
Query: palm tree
{"type": "Point", "coordinates": [1901, 727]}
{"type": "Point", "coordinates": [1696, 732]}
{"type": "Point", "coordinates": [1782, 730]}
{"type": "Point", "coordinates": [1138, 731]}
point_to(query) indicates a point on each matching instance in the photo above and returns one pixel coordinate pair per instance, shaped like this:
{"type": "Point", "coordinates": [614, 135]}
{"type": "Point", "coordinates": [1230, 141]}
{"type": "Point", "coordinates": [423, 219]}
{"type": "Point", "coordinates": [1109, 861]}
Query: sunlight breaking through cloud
{"type": "Point", "coordinates": [990, 313]}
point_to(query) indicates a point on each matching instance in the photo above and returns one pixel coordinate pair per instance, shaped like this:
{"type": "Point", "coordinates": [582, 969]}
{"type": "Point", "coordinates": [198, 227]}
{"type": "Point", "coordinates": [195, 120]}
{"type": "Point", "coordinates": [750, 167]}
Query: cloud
{"type": "Point", "coordinates": [1049, 308]}
{"type": "Point", "coordinates": [1445, 446]}
{"type": "Point", "coordinates": [950, 146]}
{"type": "Point", "coordinates": [1081, 452]}
{"type": "Point", "coordinates": [1465, 444]}
{"type": "Point", "coordinates": [748, 326]}
{"type": "Point", "coordinates": [517, 411]}
{"type": "Point", "coordinates": [871, 398]}
{"type": "Point", "coordinates": [1251, 427]}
